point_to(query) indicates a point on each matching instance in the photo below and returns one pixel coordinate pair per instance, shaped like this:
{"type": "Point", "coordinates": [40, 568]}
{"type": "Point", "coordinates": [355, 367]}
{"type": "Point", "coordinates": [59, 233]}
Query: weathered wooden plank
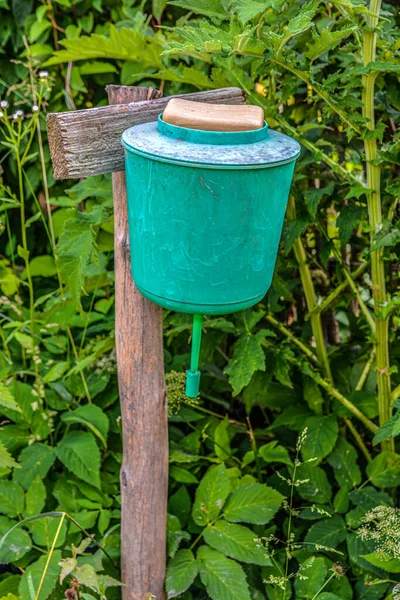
{"type": "Point", "coordinates": [87, 142]}
{"type": "Point", "coordinates": [140, 360]}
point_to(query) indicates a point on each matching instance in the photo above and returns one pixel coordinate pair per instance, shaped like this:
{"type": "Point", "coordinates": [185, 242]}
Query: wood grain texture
{"type": "Point", "coordinates": [88, 142]}
{"type": "Point", "coordinates": [213, 117]}
{"type": "Point", "coordinates": [140, 360]}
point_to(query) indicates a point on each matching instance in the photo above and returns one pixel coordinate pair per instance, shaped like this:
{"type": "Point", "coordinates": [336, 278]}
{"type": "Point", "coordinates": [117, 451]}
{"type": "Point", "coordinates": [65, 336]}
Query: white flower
{"type": "Point", "coordinates": [35, 108]}
{"type": "Point", "coordinates": [43, 74]}
{"type": "Point", "coordinates": [4, 104]}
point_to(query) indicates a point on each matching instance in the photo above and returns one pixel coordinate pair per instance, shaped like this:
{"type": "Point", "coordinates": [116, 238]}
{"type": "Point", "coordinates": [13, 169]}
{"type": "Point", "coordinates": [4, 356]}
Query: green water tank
{"type": "Point", "coordinates": [205, 211]}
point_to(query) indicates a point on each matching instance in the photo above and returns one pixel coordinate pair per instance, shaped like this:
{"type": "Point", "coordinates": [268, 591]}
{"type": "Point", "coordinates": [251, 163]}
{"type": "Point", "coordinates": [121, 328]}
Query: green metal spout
{"type": "Point", "coordinates": [193, 374]}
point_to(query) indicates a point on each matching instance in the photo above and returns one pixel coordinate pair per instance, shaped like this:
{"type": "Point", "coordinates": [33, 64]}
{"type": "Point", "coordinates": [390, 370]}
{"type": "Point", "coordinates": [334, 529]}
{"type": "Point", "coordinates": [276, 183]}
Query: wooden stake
{"type": "Point", "coordinates": [139, 342]}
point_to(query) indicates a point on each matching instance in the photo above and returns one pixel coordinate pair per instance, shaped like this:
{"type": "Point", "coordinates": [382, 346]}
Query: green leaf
{"type": "Point", "coordinates": [209, 8]}
{"type": "Point", "coordinates": [248, 357]}
{"type": "Point", "coordinates": [182, 475]}
{"type": "Point", "coordinates": [312, 395]}
{"type": "Point", "coordinates": [211, 494]}
{"type": "Point", "coordinates": [223, 578]}
{"type": "Point", "coordinates": [313, 197]}
{"type": "Point", "coordinates": [7, 398]}
{"type": "Point", "coordinates": [33, 574]}
{"type": "Point", "coordinates": [321, 437]}
{"type": "Point", "coordinates": [344, 461]}
{"type": "Point", "coordinates": [16, 545]}
{"type": "Point", "coordinates": [76, 247]}
{"type": "Point", "coordinates": [6, 460]}
{"type": "Point", "coordinates": [382, 562]}
{"type": "Point", "coordinates": [365, 499]}
{"type": "Point", "coordinates": [181, 572]}
{"type": "Point", "coordinates": [247, 10]}
{"type": "Point", "coordinates": [327, 41]}
{"type": "Point", "coordinates": [236, 542]}
{"type": "Point", "coordinates": [255, 503]}
{"type": "Point", "coordinates": [314, 570]}
{"type": "Point", "coordinates": [272, 453]}
{"type": "Point", "coordinates": [328, 532]}
{"type": "Point", "coordinates": [317, 489]}
{"type": "Point", "coordinates": [11, 498]}
{"type": "Point", "coordinates": [92, 417]}
{"type": "Point", "coordinates": [291, 231]}
{"type": "Point", "coordinates": [43, 532]}
{"type": "Point", "coordinates": [221, 440]}
{"type": "Point", "coordinates": [348, 220]}
{"type": "Point", "coordinates": [35, 498]}
{"type": "Point", "coordinates": [35, 461]}
{"type": "Point", "coordinates": [121, 44]}
{"type": "Point", "coordinates": [384, 470]}
{"type": "Point", "coordinates": [78, 451]}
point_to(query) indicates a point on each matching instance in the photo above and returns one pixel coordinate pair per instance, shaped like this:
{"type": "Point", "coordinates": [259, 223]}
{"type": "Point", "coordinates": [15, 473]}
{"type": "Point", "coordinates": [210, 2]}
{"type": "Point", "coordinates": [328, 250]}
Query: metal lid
{"type": "Point", "coordinates": [259, 148]}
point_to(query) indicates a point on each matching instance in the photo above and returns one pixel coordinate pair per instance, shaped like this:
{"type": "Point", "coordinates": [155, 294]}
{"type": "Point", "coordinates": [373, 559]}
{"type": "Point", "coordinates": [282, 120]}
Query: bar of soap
{"type": "Point", "coordinates": [213, 117]}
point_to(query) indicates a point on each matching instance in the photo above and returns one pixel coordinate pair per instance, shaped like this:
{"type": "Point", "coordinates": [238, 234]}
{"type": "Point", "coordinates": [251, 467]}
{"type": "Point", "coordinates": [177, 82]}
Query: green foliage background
{"type": "Point", "coordinates": [252, 515]}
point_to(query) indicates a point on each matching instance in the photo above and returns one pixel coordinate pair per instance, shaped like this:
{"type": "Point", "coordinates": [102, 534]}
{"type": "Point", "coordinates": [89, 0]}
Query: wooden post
{"type": "Point", "coordinates": [88, 142]}
{"type": "Point", "coordinates": [139, 342]}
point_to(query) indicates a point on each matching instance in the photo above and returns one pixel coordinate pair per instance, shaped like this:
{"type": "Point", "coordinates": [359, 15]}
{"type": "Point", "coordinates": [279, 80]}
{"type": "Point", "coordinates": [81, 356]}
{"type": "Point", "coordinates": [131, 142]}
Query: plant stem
{"type": "Point", "coordinates": [320, 308]}
{"type": "Point", "coordinates": [309, 292]}
{"type": "Point", "coordinates": [324, 586]}
{"type": "Point", "coordinates": [292, 337]}
{"type": "Point", "coordinates": [375, 220]}
{"type": "Point", "coordinates": [359, 440]}
{"type": "Point", "coordinates": [49, 556]}
{"type": "Point", "coordinates": [366, 370]}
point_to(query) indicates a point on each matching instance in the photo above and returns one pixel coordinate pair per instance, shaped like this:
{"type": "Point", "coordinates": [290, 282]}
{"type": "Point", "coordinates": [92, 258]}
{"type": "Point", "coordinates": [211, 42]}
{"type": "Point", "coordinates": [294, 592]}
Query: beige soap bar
{"type": "Point", "coordinates": [213, 117]}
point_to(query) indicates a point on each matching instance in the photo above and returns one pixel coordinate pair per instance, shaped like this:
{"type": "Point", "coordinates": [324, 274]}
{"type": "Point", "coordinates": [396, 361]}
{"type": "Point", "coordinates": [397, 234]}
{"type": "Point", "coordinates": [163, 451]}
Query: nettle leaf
{"type": "Point", "coordinates": [209, 8]}
{"type": "Point", "coordinates": [223, 578]}
{"type": "Point", "coordinates": [11, 498]}
{"type": "Point", "coordinates": [35, 461]}
{"type": "Point", "coordinates": [181, 572]}
{"type": "Point", "coordinates": [390, 429]}
{"type": "Point", "coordinates": [247, 10]}
{"type": "Point", "coordinates": [327, 41]}
{"type": "Point", "coordinates": [314, 571]}
{"type": "Point", "coordinates": [248, 357]}
{"type": "Point", "coordinates": [76, 247]}
{"type": "Point", "coordinates": [384, 470]}
{"type": "Point", "coordinates": [344, 461]}
{"type": "Point", "coordinates": [211, 494]}
{"type": "Point", "coordinates": [328, 532]}
{"type": "Point", "coordinates": [313, 196]}
{"type": "Point", "coordinates": [78, 451]}
{"type": "Point", "coordinates": [388, 235]}
{"type": "Point", "coordinates": [235, 541]}
{"type": "Point", "coordinates": [6, 460]}
{"type": "Point", "coordinates": [291, 231]}
{"type": "Point", "coordinates": [255, 503]}
{"type": "Point", "coordinates": [321, 437]}
{"type": "Point", "coordinates": [348, 220]}
{"type": "Point", "coordinates": [92, 417]}
{"type": "Point", "coordinates": [7, 398]}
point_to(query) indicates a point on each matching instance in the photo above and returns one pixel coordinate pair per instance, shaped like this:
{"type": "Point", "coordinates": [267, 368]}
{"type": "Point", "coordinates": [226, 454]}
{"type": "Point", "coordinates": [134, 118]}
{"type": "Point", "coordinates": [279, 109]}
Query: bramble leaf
{"type": "Point", "coordinates": [223, 578]}
{"type": "Point", "coordinates": [78, 451]}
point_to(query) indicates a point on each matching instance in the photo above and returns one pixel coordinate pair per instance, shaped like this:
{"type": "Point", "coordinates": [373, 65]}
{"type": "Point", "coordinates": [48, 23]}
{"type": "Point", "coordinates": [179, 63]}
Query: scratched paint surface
{"type": "Point", "coordinates": [275, 148]}
{"type": "Point", "coordinates": [204, 240]}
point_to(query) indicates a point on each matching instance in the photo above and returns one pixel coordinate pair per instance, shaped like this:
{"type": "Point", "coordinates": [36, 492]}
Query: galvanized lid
{"type": "Point", "coordinates": [259, 148]}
